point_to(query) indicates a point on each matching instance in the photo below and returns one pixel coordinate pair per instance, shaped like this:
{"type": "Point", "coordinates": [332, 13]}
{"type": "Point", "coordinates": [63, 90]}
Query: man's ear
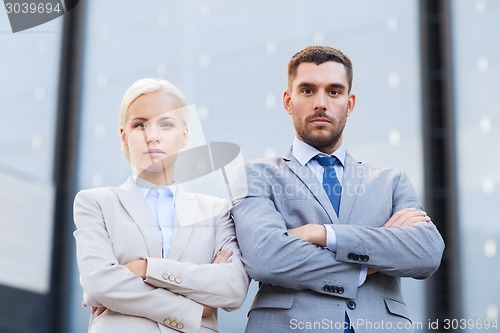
{"type": "Point", "coordinates": [287, 101]}
{"type": "Point", "coordinates": [351, 102]}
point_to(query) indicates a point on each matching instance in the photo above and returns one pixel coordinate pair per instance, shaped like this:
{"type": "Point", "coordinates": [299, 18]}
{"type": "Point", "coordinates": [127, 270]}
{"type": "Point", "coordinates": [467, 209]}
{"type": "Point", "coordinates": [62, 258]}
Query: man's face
{"type": "Point", "coordinates": [319, 103]}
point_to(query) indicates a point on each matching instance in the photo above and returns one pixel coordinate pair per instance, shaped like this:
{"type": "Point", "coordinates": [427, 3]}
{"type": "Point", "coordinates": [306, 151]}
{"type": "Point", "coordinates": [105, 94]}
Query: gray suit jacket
{"type": "Point", "coordinates": [304, 287]}
{"type": "Point", "coordinates": [114, 227]}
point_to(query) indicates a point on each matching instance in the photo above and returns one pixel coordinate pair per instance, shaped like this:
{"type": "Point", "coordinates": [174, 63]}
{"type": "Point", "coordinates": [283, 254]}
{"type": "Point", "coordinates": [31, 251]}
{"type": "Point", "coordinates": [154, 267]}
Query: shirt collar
{"type": "Point", "coordinates": [146, 186]}
{"type": "Point", "coordinates": [304, 152]}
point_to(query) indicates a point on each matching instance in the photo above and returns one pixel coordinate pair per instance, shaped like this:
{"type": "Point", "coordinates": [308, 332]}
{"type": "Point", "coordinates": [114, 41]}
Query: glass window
{"type": "Point", "coordinates": [29, 63]}
{"type": "Point", "coordinates": [476, 71]}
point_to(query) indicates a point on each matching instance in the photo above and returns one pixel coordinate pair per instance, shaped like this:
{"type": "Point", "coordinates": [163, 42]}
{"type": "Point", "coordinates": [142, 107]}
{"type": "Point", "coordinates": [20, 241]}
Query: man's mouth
{"type": "Point", "coordinates": [320, 121]}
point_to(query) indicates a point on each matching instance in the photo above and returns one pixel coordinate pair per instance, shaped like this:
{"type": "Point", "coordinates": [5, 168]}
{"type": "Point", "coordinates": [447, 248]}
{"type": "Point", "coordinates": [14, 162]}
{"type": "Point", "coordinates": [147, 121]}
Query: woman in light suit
{"type": "Point", "coordinates": [153, 257]}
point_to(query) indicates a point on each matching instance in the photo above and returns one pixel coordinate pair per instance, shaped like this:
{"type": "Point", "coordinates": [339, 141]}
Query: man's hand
{"type": "Point", "coordinates": [138, 267]}
{"type": "Point", "coordinates": [313, 233]}
{"type": "Point", "coordinates": [407, 217]}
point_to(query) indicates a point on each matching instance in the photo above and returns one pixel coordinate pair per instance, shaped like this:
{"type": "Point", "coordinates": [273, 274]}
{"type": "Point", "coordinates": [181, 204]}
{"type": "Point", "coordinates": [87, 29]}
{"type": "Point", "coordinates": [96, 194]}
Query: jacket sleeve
{"type": "Point", "coordinates": [107, 283]}
{"type": "Point", "coordinates": [273, 256]}
{"type": "Point", "coordinates": [402, 251]}
{"type": "Point", "coordinates": [216, 285]}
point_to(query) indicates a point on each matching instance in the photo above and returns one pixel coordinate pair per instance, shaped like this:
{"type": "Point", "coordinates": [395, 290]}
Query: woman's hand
{"type": "Point", "coordinates": [138, 267]}
{"type": "Point", "coordinates": [207, 311]}
{"type": "Point", "coordinates": [95, 310]}
{"type": "Point", "coordinates": [223, 257]}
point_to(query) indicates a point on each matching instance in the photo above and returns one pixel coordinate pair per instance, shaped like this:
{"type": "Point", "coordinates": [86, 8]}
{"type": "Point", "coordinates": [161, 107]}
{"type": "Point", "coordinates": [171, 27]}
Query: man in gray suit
{"type": "Point", "coordinates": [327, 237]}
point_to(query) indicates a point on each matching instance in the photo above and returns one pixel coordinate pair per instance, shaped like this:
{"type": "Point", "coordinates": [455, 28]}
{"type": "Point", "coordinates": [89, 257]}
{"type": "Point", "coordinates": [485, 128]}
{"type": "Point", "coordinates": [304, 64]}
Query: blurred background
{"type": "Point", "coordinates": [425, 73]}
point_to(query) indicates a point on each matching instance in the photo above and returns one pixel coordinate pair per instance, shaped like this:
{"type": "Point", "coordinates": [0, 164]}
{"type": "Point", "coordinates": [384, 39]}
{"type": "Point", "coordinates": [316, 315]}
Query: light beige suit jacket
{"type": "Point", "coordinates": [114, 227]}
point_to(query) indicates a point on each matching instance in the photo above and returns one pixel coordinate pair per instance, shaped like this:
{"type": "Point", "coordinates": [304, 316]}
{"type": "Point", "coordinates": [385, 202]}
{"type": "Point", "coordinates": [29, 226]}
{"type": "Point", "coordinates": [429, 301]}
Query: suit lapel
{"type": "Point", "coordinates": [311, 182]}
{"type": "Point", "coordinates": [353, 174]}
{"type": "Point", "coordinates": [186, 207]}
{"type": "Point", "coordinates": [133, 201]}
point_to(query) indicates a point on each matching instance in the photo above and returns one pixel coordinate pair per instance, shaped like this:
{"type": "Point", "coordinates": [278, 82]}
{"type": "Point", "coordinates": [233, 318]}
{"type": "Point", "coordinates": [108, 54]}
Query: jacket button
{"type": "Point", "coordinates": [351, 305]}
{"type": "Point", "coordinates": [341, 290]}
{"type": "Point", "coordinates": [165, 276]}
{"type": "Point", "coordinates": [350, 256]}
{"type": "Point", "coordinates": [366, 258]}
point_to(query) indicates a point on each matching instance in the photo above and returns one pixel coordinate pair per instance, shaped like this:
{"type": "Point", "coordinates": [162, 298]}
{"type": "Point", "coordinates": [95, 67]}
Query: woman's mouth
{"type": "Point", "coordinates": [154, 152]}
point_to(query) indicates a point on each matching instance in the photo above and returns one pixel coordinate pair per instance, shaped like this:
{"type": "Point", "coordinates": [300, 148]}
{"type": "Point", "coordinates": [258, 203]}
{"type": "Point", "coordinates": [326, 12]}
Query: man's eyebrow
{"type": "Point", "coordinates": [306, 85]}
{"type": "Point", "coordinates": [312, 85]}
{"type": "Point", "coordinates": [337, 85]}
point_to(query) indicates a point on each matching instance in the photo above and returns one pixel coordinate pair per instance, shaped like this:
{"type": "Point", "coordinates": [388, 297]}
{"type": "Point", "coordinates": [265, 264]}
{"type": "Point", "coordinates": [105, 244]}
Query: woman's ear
{"type": "Point", "coordinates": [185, 135]}
{"type": "Point", "coordinates": [123, 137]}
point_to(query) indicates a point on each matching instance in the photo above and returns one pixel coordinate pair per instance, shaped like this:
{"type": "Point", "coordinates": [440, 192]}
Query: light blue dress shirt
{"type": "Point", "coordinates": [161, 203]}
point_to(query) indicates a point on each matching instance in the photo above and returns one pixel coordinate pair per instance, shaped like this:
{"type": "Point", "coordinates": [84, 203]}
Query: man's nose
{"type": "Point", "coordinates": [320, 102]}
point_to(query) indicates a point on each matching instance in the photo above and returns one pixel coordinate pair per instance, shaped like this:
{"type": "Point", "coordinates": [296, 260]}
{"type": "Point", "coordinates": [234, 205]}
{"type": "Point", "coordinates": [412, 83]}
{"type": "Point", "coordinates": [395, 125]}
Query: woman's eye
{"type": "Point", "coordinates": [139, 125]}
{"type": "Point", "coordinates": [167, 125]}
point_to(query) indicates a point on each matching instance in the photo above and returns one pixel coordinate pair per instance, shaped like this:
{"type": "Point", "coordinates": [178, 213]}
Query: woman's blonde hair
{"type": "Point", "coordinates": [147, 86]}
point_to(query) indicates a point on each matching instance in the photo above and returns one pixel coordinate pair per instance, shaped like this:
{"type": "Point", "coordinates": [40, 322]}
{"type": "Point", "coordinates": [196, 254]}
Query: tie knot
{"type": "Point", "coordinates": [325, 161]}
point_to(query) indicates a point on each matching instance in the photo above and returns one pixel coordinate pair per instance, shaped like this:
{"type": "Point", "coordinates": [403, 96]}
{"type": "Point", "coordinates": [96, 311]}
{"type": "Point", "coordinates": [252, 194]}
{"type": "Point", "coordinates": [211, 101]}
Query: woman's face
{"type": "Point", "coordinates": [153, 133]}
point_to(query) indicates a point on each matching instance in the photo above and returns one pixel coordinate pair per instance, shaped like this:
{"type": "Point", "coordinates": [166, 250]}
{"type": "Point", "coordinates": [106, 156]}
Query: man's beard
{"type": "Point", "coordinates": [317, 141]}
{"type": "Point", "coordinates": [317, 138]}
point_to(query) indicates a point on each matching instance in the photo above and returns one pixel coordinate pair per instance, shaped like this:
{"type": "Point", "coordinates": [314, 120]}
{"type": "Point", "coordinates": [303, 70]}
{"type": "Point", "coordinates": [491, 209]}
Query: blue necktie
{"type": "Point", "coordinates": [331, 183]}
{"type": "Point", "coordinates": [333, 189]}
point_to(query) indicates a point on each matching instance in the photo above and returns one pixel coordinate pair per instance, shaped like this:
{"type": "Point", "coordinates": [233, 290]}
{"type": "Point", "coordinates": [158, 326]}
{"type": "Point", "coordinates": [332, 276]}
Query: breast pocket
{"type": "Point", "coordinates": [397, 308]}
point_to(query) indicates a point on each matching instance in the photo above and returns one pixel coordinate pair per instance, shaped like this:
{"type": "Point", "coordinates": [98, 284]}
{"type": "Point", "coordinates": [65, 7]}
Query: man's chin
{"type": "Point", "coordinates": [323, 141]}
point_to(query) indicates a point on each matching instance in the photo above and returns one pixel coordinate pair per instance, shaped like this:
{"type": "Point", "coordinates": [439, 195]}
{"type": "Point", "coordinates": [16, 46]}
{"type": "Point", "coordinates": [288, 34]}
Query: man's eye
{"type": "Point", "coordinates": [307, 91]}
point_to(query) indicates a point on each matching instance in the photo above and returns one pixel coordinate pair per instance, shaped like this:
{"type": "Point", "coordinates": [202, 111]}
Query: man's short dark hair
{"type": "Point", "coordinates": [319, 55]}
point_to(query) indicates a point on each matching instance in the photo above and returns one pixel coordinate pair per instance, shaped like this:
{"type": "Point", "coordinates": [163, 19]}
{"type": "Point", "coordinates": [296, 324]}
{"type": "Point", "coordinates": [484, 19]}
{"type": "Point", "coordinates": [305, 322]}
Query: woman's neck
{"type": "Point", "coordinates": [163, 178]}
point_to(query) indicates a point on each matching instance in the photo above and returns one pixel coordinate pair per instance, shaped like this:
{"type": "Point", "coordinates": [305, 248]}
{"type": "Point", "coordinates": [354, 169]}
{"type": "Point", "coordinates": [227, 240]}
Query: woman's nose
{"type": "Point", "coordinates": [152, 136]}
